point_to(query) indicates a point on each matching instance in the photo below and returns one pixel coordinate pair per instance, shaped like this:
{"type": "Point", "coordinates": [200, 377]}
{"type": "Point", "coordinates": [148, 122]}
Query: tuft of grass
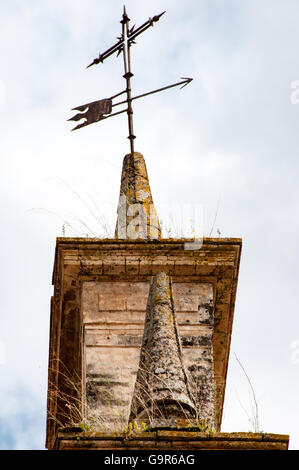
{"type": "Point", "coordinates": [254, 417]}
{"type": "Point", "coordinates": [73, 408]}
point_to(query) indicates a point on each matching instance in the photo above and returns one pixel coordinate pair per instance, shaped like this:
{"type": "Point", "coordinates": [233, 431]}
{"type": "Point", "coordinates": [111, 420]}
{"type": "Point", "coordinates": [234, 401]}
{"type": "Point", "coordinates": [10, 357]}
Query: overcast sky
{"type": "Point", "coordinates": [229, 140]}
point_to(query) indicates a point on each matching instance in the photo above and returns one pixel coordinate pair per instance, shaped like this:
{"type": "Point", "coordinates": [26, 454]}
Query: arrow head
{"type": "Point", "coordinates": [157, 17]}
{"type": "Point", "coordinates": [187, 81]}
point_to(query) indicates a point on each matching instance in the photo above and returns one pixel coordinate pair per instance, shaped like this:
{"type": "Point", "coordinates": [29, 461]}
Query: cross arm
{"type": "Point", "coordinates": [117, 47]}
{"type": "Point", "coordinates": [133, 33]}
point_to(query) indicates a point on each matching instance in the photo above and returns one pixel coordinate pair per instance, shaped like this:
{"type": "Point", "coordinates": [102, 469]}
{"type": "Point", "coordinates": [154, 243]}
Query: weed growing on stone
{"type": "Point", "coordinates": [72, 409]}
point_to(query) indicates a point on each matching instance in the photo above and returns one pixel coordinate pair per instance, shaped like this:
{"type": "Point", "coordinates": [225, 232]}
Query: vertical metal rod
{"type": "Point", "coordinates": [124, 50]}
{"type": "Point", "coordinates": [128, 74]}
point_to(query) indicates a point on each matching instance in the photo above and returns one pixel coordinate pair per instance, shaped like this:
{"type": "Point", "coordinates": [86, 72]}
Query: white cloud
{"type": "Point", "coordinates": [2, 92]}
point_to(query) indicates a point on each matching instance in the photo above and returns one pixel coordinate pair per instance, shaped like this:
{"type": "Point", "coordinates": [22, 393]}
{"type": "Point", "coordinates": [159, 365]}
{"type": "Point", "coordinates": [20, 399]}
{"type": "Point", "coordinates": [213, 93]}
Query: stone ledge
{"type": "Point", "coordinates": [87, 240]}
{"type": "Point", "coordinates": [76, 439]}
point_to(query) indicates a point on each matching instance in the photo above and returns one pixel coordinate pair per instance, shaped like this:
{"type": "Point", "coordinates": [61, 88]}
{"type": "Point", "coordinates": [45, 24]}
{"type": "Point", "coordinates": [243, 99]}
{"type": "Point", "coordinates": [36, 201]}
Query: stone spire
{"type": "Point", "coordinates": [161, 396]}
{"type": "Point", "coordinates": [137, 217]}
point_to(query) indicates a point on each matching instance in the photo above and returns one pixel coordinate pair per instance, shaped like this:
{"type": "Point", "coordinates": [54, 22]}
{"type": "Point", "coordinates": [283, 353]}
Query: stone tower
{"type": "Point", "coordinates": [140, 331]}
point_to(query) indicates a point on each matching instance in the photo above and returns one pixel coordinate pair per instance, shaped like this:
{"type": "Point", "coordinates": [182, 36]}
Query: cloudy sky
{"type": "Point", "coordinates": [228, 143]}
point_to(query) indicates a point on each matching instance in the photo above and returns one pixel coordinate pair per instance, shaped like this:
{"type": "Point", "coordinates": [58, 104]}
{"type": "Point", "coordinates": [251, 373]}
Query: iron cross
{"type": "Point", "coordinates": [102, 109]}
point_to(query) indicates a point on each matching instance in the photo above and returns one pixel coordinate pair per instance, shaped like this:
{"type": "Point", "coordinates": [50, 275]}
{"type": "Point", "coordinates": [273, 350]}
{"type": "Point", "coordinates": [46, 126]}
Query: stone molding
{"type": "Point", "coordinates": [169, 440]}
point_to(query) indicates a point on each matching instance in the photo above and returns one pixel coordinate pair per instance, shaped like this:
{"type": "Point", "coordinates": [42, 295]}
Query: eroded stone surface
{"type": "Point", "coordinates": [137, 216]}
{"type": "Point", "coordinates": [173, 440]}
{"type": "Point", "coordinates": [113, 318]}
{"type": "Point", "coordinates": [162, 393]}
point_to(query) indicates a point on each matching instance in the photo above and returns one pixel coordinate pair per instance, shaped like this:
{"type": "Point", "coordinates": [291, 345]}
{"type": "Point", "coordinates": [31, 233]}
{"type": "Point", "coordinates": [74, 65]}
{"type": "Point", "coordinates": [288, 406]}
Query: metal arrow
{"type": "Point", "coordinates": [184, 83]}
{"type": "Point", "coordinates": [102, 109]}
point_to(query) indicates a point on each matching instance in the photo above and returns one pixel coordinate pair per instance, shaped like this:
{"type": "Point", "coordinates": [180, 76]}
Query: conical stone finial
{"type": "Point", "coordinates": [161, 395]}
{"type": "Point", "coordinates": [137, 216]}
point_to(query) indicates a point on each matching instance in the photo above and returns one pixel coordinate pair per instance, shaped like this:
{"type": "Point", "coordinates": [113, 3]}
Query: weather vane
{"type": "Point", "coordinates": [102, 109]}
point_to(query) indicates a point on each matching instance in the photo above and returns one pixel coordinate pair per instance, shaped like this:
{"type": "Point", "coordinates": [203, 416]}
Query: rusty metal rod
{"type": "Point", "coordinates": [116, 47]}
{"type": "Point", "coordinates": [136, 33]}
{"type": "Point", "coordinates": [186, 81]}
{"type": "Point", "coordinates": [147, 24]}
{"type": "Point", "coordinates": [128, 74]}
{"type": "Point", "coordinates": [118, 94]}
{"type": "Point", "coordinates": [107, 53]}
